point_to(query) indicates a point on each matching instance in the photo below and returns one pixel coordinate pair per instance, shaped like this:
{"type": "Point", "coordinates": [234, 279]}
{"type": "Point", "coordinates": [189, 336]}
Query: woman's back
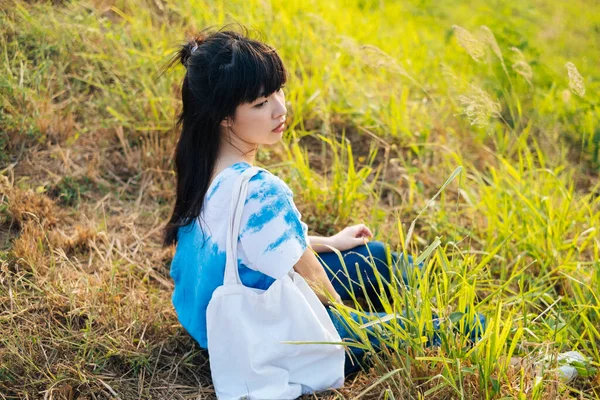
{"type": "Point", "coordinates": [272, 239]}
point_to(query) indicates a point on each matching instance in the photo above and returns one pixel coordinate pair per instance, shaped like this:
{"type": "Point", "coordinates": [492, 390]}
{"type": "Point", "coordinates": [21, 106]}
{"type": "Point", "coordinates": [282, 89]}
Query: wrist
{"type": "Point", "coordinates": [328, 240]}
{"type": "Point", "coordinates": [320, 243]}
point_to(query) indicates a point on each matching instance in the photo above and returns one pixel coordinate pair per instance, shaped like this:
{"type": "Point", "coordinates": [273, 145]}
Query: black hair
{"type": "Point", "coordinates": [224, 69]}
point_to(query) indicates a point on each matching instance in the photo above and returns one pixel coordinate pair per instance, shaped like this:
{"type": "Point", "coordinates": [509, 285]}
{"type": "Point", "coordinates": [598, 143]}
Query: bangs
{"type": "Point", "coordinates": [258, 72]}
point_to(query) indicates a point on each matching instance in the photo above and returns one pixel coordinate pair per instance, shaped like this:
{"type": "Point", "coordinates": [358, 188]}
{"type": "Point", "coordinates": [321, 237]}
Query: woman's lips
{"type": "Point", "coordinates": [279, 128]}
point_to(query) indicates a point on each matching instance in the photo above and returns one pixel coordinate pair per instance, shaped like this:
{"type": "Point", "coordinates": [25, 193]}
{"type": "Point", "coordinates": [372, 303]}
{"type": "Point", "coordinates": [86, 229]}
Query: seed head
{"type": "Point", "coordinates": [490, 39]}
{"type": "Point", "coordinates": [521, 66]}
{"type": "Point", "coordinates": [467, 41]}
{"type": "Point", "coordinates": [478, 106]}
{"type": "Point", "coordinates": [575, 79]}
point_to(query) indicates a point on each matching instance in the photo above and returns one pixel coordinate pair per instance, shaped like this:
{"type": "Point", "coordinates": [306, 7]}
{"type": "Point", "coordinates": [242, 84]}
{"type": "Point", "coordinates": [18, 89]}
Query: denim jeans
{"type": "Point", "coordinates": [344, 283]}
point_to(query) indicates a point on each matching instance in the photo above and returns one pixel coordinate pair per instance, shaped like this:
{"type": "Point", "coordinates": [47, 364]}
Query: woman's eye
{"type": "Point", "coordinates": [259, 105]}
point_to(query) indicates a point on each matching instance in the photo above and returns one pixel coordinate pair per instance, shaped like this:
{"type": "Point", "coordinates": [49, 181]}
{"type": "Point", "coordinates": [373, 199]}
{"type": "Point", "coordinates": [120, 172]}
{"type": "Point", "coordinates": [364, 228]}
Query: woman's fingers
{"type": "Point", "coordinates": [359, 231]}
{"type": "Point", "coordinates": [363, 230]}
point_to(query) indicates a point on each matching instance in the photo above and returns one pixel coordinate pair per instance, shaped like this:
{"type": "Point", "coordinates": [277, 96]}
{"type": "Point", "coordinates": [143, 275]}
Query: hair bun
{"type": "Point", "coordinates": [190, 48]}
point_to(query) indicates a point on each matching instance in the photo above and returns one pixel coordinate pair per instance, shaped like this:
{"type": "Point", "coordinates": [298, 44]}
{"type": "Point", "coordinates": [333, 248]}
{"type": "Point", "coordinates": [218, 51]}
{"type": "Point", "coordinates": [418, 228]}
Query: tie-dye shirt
{"type": "Point", "coordinates": [272, 239]}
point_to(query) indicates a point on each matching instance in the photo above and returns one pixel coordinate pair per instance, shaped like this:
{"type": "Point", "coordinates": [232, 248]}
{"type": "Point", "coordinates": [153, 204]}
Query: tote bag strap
{"type": "Point", "coordinates": [238, 198]}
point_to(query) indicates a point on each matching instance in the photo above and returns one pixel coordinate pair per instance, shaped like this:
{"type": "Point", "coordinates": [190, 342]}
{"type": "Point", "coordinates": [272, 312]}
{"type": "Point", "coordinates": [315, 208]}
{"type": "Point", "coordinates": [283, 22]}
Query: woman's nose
{"type": "Point", "coordinates": [280, 109]}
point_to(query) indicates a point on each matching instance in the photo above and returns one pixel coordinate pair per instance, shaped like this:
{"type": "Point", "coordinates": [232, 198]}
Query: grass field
{"type": "Point", "coordinates": [464, 133]}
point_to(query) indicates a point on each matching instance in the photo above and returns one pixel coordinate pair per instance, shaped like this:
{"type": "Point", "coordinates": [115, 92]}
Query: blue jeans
{"type": "Point", "coordinates": [344, 284]}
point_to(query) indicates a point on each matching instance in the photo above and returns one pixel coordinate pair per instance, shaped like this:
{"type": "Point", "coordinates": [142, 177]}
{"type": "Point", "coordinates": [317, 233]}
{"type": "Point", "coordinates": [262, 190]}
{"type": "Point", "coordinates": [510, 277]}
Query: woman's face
{"type": "Point", "coordinates": [259, 122]}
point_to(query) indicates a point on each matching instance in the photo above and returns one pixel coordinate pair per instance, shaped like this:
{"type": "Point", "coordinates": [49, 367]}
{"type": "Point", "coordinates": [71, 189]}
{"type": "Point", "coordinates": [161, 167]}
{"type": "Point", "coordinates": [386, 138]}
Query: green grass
{"type": "Point", "coordinates": [386, 100]}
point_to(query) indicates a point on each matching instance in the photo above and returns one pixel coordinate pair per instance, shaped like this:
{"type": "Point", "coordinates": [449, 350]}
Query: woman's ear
{"type": "Point", "coordinates": [226, 122]}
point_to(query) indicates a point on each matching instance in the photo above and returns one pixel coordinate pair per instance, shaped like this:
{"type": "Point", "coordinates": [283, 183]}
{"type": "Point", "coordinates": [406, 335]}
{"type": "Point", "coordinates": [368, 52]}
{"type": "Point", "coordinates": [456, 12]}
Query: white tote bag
{"type": "Point", "coordinates": [246, 328]}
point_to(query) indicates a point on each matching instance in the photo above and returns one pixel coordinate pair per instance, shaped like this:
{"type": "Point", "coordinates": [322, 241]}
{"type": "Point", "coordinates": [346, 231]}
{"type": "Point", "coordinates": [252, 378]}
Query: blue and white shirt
{"type": "Point", "coordinates": [272, 239]}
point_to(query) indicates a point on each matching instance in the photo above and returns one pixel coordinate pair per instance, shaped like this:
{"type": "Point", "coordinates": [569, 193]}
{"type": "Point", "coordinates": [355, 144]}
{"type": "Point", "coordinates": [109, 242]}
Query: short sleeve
{"type": "Point", "coordinates": [272, 234]}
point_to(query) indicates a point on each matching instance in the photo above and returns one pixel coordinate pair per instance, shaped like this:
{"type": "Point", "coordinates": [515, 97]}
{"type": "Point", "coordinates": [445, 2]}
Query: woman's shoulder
{"type": "Point", "coordinates": [264, 185]}
{"type": "Point", "coordinates": [269, 184]}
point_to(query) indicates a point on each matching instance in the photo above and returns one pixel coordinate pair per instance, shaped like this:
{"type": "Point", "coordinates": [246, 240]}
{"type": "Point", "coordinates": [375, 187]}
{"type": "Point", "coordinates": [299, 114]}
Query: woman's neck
{"type": "Point", "coordinates": [228, 157]}
{"type": "Point", "coordinates": [233, 149]}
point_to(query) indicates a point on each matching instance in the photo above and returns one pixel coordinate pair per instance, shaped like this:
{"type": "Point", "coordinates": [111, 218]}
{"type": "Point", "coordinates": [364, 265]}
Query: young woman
{"type": "Point", "coordinates": [233, 102]}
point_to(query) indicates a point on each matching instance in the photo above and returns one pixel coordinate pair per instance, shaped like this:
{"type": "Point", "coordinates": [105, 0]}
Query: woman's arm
{"type": "Point", "coordinates": [345, 239]}
{"type": "Point", "coordinates": [317, 243]}
{"type": "Point", "coordinates": [313, 272]}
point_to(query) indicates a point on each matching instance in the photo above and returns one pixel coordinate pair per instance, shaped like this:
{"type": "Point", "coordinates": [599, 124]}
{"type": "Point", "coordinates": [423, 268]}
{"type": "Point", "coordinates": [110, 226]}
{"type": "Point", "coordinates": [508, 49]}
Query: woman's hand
{"type": "Point", "coordinates": [351, 237]}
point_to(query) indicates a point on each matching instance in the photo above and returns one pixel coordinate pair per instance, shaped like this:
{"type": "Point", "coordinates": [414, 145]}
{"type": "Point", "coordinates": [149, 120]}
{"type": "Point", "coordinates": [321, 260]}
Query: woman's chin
{"type": "Point", "coordinates": [275, 138]}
